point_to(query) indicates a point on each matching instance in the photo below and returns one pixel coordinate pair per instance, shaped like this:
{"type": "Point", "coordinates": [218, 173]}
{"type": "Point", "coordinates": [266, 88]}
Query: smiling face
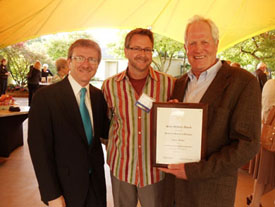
{"type": "Point", "coordinates": [139, 61]}
{"type": "Point", "coordinates": [200, 47]}
{"type": "Point", "coordinates": [82, 72]}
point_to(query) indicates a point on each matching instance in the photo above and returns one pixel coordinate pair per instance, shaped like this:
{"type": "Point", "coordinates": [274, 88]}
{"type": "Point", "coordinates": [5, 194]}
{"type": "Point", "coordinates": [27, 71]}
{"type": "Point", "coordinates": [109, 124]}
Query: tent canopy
{"type": "Point", "coordinates": [237, 20]}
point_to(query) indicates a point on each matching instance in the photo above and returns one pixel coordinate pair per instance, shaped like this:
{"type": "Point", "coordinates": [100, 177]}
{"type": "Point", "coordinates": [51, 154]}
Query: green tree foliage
{"type": "Point", "coordinates": [166, 49]}
{"type": "Point", "coordinates": [253, 50]}
{"type": "Point", "coordinates": [19, 60]}
{"type": "Point", "coordinates": [38, 46]}
{"type": "Point", "coordinates": [46, 49]}
{"type": "Point", "coordinates": [116, 49]}
{"type": "Point", "coordinates": [58, 45]}
{"type": "Point", "coordinates": [58, 48]}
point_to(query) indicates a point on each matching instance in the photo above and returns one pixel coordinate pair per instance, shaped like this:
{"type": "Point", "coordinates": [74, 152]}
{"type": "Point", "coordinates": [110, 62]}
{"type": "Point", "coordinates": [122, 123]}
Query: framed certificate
{"type": "Point", "coordinates": [179, 131]}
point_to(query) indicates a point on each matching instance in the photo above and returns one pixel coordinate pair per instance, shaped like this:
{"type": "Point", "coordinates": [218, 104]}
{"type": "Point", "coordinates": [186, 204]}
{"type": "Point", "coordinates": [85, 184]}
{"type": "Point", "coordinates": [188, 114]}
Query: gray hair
{"type": "Point", "coordinates": [45, 65]}
{"type": "Point", "coordinates": [213, 27]}
{"type": "Point", "coordinates": [261, 64]}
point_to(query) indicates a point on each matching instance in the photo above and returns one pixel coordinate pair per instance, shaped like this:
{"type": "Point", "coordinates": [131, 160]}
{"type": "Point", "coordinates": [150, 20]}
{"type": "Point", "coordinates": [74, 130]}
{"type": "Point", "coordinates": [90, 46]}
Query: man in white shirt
{"type": "Point", "coordinates": [66, 122]}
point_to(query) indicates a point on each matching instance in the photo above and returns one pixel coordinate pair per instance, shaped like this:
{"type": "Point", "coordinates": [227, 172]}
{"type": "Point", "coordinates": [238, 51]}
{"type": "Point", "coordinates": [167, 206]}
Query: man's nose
{"type": "Point", "coordinates": [199, 47]}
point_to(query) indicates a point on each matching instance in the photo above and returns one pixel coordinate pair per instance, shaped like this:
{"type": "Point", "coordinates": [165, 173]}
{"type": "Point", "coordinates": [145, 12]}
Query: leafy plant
{"type": "Point", "coordinates": [253, 50]}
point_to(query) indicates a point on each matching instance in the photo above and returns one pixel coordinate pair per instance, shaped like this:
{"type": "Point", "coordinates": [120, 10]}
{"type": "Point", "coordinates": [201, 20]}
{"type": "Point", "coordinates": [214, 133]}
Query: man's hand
{"type": "Point", "coordinates": [59, 202]}
{"type": "Point", "coordinates": [176, 169]}
{"type": "Point", "coordinates": [173, 101]}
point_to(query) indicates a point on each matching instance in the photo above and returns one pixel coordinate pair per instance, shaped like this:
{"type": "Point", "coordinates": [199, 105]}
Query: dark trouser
{"type": "Point", "coordinates": [3, 85]}
{"type": "Point", "coordinates": [32, 88]}
{"type": "Point", "coordinates": [92, 200]}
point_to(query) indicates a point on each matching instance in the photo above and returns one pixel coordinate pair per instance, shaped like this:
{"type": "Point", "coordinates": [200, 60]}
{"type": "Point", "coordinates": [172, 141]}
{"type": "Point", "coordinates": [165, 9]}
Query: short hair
{"type": "Point", "coordinates": [213, 27]}
{"type": "Point", "coordinates": [85, 43]}
{"type": "Point", "coordinates": [3, 60]}
{"type": "Point", "coordinates": [261, 64]}
{"type": "Point", "coordinates": [37, 64]}
{"type": "Point", "coordinates": [61, 63]}
{"type": "Point", "coordinates": [45, 65]}
{"type": "Point", "coordinates": [138, 31]}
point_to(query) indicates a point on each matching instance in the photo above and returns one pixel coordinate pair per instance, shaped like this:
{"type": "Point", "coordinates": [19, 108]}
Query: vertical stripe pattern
{"type": "Point", "coordinates": [129, 152]}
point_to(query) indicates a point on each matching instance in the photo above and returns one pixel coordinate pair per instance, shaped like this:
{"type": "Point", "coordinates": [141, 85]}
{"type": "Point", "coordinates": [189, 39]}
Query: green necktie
{"type": "Point", "coordinates": [85, 116]}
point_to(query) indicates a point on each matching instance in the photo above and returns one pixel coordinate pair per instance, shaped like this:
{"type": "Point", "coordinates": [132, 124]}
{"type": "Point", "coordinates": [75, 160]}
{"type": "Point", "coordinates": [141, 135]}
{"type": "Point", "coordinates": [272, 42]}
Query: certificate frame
{"type": "Point", "coordinates": [158, 107]}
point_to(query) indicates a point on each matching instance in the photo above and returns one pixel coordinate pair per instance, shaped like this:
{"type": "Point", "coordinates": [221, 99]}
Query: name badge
{"type": "Point", "coordinates": [145, 102]}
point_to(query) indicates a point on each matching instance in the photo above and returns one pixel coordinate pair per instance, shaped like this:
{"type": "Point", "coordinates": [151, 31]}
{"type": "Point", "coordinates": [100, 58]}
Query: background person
{"type": "Point", "coordinates": [33, 79]}
{"type": "Point", "coordinates": [261, 74]}
{"type": "Point", "coordinates": [62, 68]}
{"type": "Point", "coordinates": [233, 122]}
{"type": "Point", "coordinates": [129, 146]}
{"type": "Point", "coordinates": [66, 121]}
{"type": "Point", "coordinates": [45, 72]}
{"type": "Point", "coordinates": [4, 74]}
{"type": "Point", "coordinates": [263, 166]}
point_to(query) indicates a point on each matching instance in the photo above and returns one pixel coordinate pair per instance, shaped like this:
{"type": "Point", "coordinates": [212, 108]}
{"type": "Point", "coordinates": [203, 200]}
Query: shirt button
{"type": "Point", "coordinates": [139, 146]}
{"type": "Point", "coordinates": [139, 132]}
{"type": "Point", "coordinates": [139, 117]}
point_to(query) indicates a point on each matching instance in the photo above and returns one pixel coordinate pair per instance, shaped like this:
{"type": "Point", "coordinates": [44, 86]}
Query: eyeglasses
{"type": "Point", "coordinates": [138, 49]}
{"type": "Point", "coordinates": [81, 59]}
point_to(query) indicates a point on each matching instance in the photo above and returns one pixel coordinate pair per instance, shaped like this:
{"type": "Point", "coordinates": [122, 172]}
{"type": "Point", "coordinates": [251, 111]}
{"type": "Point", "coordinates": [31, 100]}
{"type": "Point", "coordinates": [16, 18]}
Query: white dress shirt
{"type": "Point", "coordinates": [76, 89]}
{"type": "Point", "coordinates": [197, 87]}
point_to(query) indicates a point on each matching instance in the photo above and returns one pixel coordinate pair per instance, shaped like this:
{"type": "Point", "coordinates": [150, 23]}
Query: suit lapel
{"type": "Point", "coordinates": [180, 88]}
{"type": "Point", "coordinates": [70, 109]}
{"type": "Point", "coordinates": [217, 86]}
{"type": "Point", "coordinates": [215, 89]}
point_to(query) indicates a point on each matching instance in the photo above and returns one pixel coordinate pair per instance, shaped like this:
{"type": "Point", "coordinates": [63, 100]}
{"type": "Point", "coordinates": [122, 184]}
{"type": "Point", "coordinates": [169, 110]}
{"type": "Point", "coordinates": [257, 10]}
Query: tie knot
{"type": "Point", "coordinates": [83, 92]}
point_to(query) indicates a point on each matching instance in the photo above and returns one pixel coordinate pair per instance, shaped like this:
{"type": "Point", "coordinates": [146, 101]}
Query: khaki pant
{"type": "Point", "coordinates": [127, 195]}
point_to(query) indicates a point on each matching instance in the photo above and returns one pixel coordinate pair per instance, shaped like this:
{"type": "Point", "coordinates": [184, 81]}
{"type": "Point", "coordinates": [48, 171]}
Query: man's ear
{"type": "Point", "coordinates": [69, 62]}
{"type": "Point", "coordinates": [217, 44]}
{"type": "Point", "coordinates": [126, 52]}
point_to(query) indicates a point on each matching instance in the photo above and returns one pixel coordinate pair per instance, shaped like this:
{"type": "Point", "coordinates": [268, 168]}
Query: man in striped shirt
{"type": "Point", "coordinates": [129, 152]}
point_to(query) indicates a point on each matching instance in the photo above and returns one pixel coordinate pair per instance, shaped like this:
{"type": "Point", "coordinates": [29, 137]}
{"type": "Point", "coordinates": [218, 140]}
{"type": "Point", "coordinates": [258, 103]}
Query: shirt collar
{"type": "Point", "coordinates": [209, 72]}
{"type": "Point", "coordinates": [76, 86]}
{"type": "Point", "coordinates": [152, 74]}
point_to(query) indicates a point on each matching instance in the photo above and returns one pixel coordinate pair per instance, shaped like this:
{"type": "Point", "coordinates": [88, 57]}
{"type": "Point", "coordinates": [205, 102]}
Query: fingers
{"type": "Point", "coordinates": [58, 202]}
{"type": "Point", "coordinates": [176, 166]}
{"type": "Point", "coordinates": [176, 169]}
{"type": "Point", "coordinates": [173, 101]}
{"type": "Point", "coordinates": [165, 170]}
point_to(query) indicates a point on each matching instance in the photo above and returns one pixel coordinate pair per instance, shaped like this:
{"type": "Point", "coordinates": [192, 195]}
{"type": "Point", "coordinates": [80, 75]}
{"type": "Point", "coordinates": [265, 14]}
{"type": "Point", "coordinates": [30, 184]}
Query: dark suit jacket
{"type": "Point", "coordinates": [262, 78]}
{"type": "Point", "coordinates": [58, 146]}
{"type": "Point", "coordinates": [233, 131]}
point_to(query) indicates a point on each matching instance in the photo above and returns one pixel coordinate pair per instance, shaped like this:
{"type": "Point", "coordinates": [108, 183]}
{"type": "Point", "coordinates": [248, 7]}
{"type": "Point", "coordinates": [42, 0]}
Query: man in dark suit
{"type": "Point", "coordinates": [233, 123]}
{"type": "Point", "coordinates": [66, 151]}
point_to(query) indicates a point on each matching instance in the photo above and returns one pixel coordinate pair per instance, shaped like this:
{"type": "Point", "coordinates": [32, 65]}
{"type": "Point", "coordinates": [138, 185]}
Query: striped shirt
{"type": "Point", "coordinates": [129, 152]}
